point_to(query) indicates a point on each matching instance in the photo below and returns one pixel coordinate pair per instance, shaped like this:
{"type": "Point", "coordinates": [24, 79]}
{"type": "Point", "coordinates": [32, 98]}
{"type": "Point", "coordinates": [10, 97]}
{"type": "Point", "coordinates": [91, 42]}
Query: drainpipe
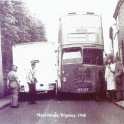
{"type": "Point", "coordinates": [111, 37]}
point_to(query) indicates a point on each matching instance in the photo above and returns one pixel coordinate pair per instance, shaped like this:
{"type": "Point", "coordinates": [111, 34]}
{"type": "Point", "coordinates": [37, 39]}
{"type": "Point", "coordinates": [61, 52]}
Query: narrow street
{"type": "Point", "coordinates": [69, 55]}
{"type": "Point", "coordinates": [51, 111]}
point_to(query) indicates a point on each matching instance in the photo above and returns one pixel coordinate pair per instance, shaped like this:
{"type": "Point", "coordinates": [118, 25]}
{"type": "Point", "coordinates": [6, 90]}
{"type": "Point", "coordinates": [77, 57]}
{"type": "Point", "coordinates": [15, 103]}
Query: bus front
{"type": "Point", "coordinates": [81, 64]}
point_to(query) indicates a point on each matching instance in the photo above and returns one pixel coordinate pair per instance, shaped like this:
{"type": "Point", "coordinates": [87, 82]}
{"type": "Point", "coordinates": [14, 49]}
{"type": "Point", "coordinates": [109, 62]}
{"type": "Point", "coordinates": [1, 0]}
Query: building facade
{"type": "Point", "coordinates": [118, 30]}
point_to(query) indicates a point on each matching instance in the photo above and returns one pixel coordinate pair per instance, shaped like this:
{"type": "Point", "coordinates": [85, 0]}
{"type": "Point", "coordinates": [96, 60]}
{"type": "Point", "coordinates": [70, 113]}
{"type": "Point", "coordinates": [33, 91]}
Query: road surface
{"type": "Point", "coordinates": [51, 111]}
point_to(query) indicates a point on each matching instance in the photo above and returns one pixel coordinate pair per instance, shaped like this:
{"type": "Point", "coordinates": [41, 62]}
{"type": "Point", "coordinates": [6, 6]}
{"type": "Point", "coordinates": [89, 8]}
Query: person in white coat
{"type": "Point", "coordinates": [110, 79]}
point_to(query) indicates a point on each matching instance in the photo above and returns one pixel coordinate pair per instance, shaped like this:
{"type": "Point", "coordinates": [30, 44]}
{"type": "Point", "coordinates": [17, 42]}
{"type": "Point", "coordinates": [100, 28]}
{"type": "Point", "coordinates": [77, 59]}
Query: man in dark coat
{"type": "Point", "coordinates": [119, 78]}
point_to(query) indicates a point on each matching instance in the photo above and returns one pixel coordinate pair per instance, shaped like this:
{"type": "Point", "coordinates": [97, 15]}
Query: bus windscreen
{"type": "Point", "coordinates": [93, 56]}
{"type": "Point", "coordinates": [72, 56]}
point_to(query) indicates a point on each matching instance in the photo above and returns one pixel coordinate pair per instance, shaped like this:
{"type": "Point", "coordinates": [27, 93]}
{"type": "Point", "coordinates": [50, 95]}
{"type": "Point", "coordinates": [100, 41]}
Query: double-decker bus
{"type": "Point", "coordinates": [80, 54]}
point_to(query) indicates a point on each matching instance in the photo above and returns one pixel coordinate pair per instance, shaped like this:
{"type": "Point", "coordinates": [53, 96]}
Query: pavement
{"type": "Point", "coordinates": [4, 102]}
{"type": "Point", "coordinates": [120, 103]}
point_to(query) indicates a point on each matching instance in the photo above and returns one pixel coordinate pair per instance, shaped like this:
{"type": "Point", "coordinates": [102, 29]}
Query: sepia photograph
{"type": "Point", "coordinates": [62, 62]}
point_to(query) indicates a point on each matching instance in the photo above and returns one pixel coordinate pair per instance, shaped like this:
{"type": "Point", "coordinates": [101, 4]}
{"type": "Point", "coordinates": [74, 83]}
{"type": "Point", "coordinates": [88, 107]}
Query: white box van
{"type": "Point", "coordinates": [46, 68]}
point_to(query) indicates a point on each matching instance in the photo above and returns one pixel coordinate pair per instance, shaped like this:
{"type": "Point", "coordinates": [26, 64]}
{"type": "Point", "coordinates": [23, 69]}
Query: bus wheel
{"type": "Point", "coordinates": [59, 95]}
{"type": "Point", "coordinates": [97, 97]}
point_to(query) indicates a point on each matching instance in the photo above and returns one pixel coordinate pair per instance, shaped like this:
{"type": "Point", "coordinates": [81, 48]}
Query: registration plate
{"type": "Point", "coordinates": [82, 90]}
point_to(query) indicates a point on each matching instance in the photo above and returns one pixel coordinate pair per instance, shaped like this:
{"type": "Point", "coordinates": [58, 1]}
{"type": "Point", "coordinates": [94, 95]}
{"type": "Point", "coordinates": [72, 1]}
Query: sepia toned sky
{"type": "Point", "coordinates": [50, 10]}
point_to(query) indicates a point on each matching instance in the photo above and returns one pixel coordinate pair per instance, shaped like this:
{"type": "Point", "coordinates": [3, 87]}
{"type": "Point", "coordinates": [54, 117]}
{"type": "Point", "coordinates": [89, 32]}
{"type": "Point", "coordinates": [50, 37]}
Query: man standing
{"type": "Point", "coordinates": [13, 84]}
{"type": "Point", "coordinates": [32, 82]}
{"type": "Point", "coordinates": [119, 78]}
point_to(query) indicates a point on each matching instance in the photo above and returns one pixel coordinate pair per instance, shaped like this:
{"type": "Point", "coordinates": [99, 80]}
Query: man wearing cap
{"type": "Point", "coordinates": [32, 82]}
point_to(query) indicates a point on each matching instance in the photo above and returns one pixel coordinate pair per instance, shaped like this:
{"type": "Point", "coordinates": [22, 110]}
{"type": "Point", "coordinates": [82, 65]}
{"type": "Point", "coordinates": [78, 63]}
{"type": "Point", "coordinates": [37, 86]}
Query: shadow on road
{"type": "Point", "coordinates": [62, 97]}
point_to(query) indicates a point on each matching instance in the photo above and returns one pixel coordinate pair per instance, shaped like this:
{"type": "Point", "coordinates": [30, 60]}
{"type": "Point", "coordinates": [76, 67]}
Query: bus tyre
{"type": "Point", "coordinates": [59, 95]}
{"type": "Point", "coordinates": [97, 97]}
